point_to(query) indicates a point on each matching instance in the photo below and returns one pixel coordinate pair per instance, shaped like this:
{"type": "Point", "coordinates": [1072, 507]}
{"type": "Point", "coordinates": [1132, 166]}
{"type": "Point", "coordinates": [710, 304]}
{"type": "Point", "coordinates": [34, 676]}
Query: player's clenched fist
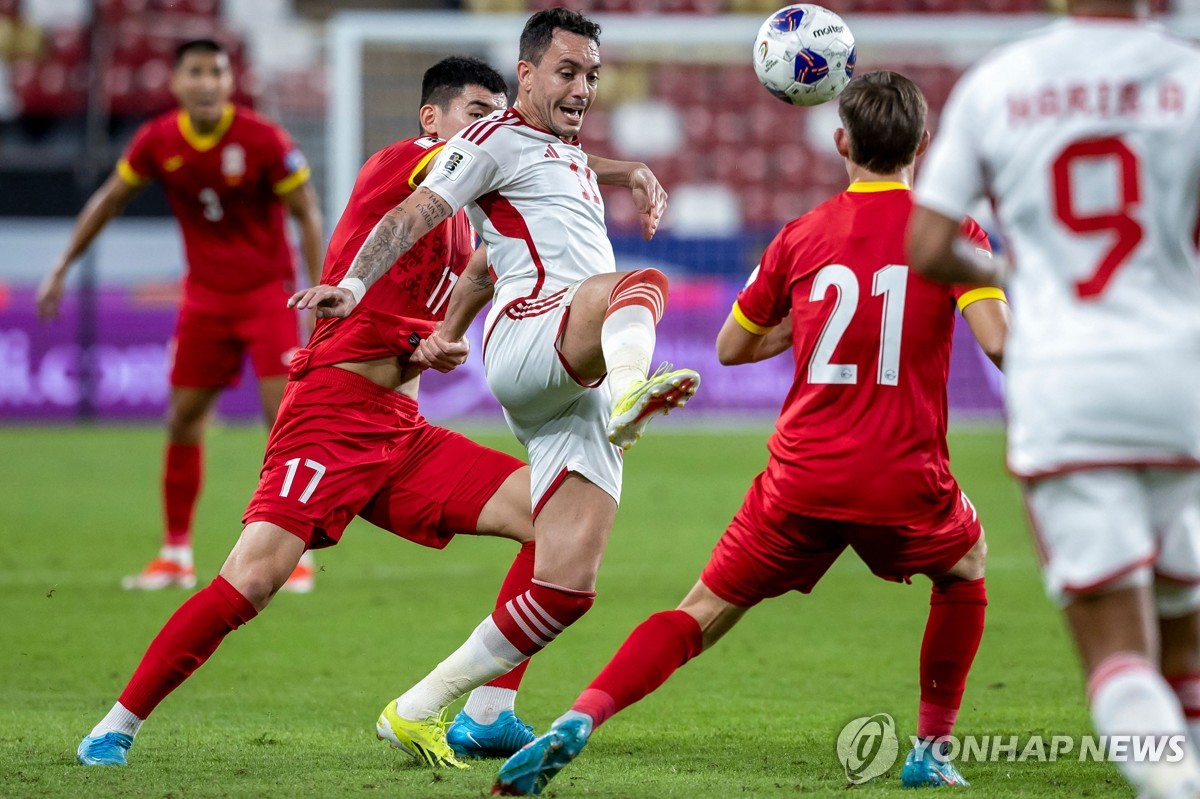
{"type": "Point", "coordinates": [327, 301]}
{"type": "Point", "coordinates": [435, 352]}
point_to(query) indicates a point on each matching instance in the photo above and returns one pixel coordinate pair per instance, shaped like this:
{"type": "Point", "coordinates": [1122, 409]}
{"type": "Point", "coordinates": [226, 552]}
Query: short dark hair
{"type": "Point", "coordinates": [446, 80]}
{"type": "Point", "coordinates": [884, 117]}
{"type": "Point", "coordinates": [540, 28]}
{"type": "Point", "coordinates": [197, 46]}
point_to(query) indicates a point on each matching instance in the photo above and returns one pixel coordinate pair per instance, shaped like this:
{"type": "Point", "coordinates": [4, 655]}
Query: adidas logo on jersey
{"type": "Point", "coordinates": [551, 152]}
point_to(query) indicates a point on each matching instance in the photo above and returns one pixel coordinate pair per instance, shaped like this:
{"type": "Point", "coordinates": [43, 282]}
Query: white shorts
{"type": "Point", "coordinates": [1097, 528]}
{"type": "Point", "coordinates": [1128, 410]}
{"type": "Point", "coordinates": [560, 420]}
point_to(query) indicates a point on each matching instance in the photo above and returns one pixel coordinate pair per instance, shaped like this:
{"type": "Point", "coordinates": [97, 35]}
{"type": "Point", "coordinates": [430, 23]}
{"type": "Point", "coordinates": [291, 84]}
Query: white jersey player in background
{"type": "Point", "coordinates": [568, 342]}
{"type": "Point", "coordinates": [1086, 136]}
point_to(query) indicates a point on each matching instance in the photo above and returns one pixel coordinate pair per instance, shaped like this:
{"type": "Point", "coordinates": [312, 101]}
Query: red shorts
{"type": "Point", "coordinates": [767, 551]}
{"type": "Point", "coordinates": [208, 349]}
{"type": "Point", "coordinates": [343, 446]}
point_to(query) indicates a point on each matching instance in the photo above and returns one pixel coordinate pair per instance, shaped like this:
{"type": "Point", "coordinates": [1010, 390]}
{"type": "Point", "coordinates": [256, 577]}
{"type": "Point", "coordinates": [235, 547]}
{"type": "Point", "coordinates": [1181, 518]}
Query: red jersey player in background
{"type": "Point", "coordinates": [859, 454]}
{"type": "Point", "coordinates": [350, 441]}
{"type": "Point", "coordinates": [229, 175]}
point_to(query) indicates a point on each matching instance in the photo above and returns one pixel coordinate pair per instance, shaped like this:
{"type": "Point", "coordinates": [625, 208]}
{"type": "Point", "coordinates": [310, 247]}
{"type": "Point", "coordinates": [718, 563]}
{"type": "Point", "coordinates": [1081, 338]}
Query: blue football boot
{"type": "Point", "coordinates": [529, 771]}
{"type": "Point", "coordinates": [923, 770]}
{"type": "Point", "coordinates": [104, 750]}
{"type": "Point", "coordinates": [504, 737]}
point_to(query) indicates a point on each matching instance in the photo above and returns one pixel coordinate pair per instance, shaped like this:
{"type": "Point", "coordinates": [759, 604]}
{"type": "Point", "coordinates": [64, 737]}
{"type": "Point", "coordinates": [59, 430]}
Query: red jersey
{"type": "Point", "coordinates": [862, 433]}
{"type": "Point", "coordinates": [412, 294]}
{"type": "Point", "coordinates": [224, 189]}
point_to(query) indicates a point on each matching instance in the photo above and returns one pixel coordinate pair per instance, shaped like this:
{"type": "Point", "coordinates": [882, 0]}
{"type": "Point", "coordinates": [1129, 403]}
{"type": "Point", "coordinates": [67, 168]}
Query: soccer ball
{"type": "Point", "coordinates": [804, 54]}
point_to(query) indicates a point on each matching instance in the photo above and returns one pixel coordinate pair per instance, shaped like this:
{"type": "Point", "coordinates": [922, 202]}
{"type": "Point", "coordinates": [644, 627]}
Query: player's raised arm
{"type": "Point", "coordinates": [107, 202]}
{"type": "Point", "coordinates": [649, 197]}
{"type": "Point", "coordinates": [394, 235]}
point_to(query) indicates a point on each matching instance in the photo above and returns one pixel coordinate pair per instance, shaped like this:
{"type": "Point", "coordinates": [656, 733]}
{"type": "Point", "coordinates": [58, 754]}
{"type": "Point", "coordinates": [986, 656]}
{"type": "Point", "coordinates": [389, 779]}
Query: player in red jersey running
{"type": "Point", "coordinates": [859, 454]}
{"type": "Point", "coordinates": [350, 441]}
{"type": "Point", "coordinates": [229, 176]}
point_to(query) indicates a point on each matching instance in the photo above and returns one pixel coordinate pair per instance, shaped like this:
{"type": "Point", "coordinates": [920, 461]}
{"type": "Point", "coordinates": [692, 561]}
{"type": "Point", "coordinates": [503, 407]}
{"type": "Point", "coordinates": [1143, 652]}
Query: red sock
{"type": "Point", "coordinates": [651, 654]}
{"type": "Point", "coordinates": [1187, 688]}
{"type": "Point", "coordinates": [187, 639]}
{"type": "Point", "coordinates": [952, 635]}
{"type": "Point", "coordinates": [182, 474]}
{"type": "Point", "coordinates": [536, 616]}
{"type": "Point", "coordinates": [515, 583]}
{"type": "Point", "coordinates": [647, 288]}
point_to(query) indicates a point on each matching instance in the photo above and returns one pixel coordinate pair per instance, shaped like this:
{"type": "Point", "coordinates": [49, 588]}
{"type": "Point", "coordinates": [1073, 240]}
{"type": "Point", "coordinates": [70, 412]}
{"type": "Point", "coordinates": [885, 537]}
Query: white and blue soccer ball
{"type": "Point", "coordinates": [804, 54]}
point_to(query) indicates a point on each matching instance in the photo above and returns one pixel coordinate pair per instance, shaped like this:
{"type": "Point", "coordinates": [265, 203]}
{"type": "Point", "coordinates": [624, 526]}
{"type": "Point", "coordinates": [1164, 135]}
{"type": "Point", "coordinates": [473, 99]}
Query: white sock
{"type": "Point", "coordinates": [483, 657]}
{"type": "Point", "coordinates": [575, 714]}
{"type": "Point", "coordinates": [118, 720]}
{"type": "Point", "coordinates": [181, 554]}
{"type": "Point", "coordinates": [1130, 697]}
{"type": "Point", "coordinates": [485, 704]}
{"type": "Point", "coordinates": [627, 340]}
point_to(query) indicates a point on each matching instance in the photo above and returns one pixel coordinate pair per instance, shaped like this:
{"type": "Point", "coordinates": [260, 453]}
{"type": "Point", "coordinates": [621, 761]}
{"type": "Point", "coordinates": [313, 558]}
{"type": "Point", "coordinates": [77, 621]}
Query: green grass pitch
{"type": "Point", "coordinates": [287, 706]}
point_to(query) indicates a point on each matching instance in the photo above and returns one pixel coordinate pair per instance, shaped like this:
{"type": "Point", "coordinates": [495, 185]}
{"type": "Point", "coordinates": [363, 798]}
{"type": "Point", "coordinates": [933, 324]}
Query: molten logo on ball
{"type": "Point", "coordinates": [804, 54]}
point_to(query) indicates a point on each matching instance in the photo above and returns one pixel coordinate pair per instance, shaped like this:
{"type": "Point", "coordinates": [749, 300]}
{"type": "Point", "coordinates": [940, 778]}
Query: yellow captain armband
{"type": "Point", "coordinates": [750, 326]}
{"type": "Point", "coordinates": [297, 178]}
{"type": "Point", "coordinates": [127, 174]}
{"type": "Point", "coordinates": [983, 293]}
{"type": "Point", "coordinates": [424, 162]}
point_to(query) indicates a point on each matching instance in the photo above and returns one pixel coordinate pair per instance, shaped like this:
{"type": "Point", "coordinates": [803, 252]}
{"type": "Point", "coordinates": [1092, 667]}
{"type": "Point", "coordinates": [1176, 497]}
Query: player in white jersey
{"type": "Point", "coordinates": [569, 340]}
{"type": "Point", "coordinates": [1086, 136]}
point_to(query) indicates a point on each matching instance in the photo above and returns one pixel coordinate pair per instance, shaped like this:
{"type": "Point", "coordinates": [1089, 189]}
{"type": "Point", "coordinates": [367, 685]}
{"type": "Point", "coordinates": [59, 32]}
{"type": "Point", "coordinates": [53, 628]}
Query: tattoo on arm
{"type": "Point", "coordinates": [483, 282]}
{"type": "Point", "coordinates": [396, 233]}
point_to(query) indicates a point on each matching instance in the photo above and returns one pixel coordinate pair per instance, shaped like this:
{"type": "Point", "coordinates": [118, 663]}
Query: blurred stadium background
{"type": "Point", "coordinates": [79, 505]}
{"type": "Point", "coordinates": [78, 76]}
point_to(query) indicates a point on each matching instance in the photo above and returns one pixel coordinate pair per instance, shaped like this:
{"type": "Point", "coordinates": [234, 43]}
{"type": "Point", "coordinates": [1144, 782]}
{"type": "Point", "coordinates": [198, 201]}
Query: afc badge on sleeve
{"type": "Point", "coordinates": [454, 161]}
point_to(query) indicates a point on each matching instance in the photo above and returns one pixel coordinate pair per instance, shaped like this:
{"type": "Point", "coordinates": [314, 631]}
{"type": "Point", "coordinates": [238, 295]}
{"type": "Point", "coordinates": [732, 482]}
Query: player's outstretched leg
{"type": "Point", "coordinates": [529, 771]}
{"type": "Point", "coordinates": [185, 642]}
{"type": "Point", "coordinates": [650, 655]}
{"type": "Point", "coordinates": [627, 339]}
{"type": "Point", "coordinates": [260, 562]}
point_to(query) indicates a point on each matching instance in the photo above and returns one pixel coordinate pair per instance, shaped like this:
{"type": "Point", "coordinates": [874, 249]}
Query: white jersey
{"type": "Point", "coordinates": [1086, 135]}
{"type": "Point", "coordinates": [534, 202]}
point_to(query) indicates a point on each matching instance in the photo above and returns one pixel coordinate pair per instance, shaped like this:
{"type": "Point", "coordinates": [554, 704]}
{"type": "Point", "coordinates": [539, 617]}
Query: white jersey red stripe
{"type": "Point", "coordinates": [518, 185]}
